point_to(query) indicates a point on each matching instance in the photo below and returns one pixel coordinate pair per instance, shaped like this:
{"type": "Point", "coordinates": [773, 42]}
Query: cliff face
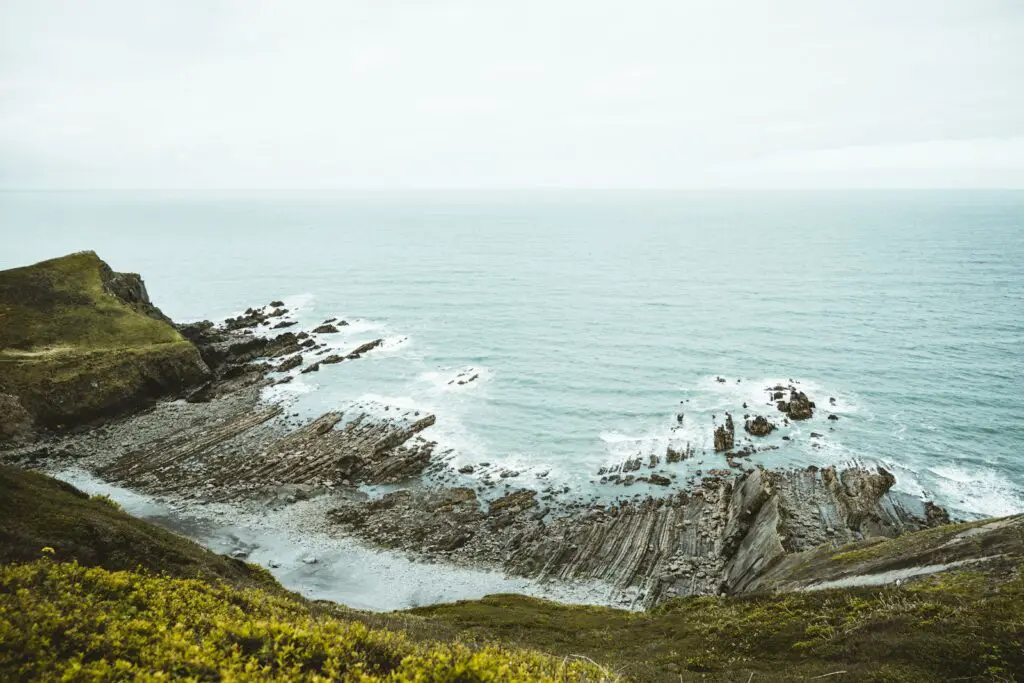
{"type": "Point", "coordinates": [80, 342]}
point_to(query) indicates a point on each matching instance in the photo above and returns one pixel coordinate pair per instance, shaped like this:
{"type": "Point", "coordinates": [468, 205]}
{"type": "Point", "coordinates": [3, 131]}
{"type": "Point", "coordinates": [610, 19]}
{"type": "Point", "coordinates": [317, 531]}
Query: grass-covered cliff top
{"type": "Point", "coordinates": [79, 341]}
{"type": "Point", "coordinates": [186, 612]}
{"type": "Point", "coordinates": [62, 305]}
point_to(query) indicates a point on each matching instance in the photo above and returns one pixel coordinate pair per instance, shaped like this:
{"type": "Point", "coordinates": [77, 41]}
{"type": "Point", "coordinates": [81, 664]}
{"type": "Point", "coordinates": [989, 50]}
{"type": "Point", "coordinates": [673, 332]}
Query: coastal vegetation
{"type": "Point", "coordinates": [79, 342]}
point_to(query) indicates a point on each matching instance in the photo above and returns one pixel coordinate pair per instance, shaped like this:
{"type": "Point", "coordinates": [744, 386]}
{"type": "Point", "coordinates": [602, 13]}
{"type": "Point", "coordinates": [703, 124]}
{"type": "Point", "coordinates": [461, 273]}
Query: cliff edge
{"type": "Point", "coordinates": [79, 342]}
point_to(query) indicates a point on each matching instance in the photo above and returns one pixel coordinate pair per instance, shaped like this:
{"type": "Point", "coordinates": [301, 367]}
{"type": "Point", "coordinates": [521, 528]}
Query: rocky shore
{"type": "Point", "coordinates": [382, 479]}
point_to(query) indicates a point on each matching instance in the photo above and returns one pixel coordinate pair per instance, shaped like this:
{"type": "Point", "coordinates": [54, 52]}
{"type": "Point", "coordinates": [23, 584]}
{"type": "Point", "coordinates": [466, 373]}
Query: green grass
{"type": "Point", "coordinates": [956, 625]}
{"type": "Point", "coordinates": [61, 303]}
{"type": "Point", "coordinates": [73, 353]}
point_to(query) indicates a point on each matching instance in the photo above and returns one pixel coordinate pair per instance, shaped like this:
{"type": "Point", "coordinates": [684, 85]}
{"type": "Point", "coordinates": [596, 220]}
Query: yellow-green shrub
{"type": "Point", "coordinates": [62, 621]}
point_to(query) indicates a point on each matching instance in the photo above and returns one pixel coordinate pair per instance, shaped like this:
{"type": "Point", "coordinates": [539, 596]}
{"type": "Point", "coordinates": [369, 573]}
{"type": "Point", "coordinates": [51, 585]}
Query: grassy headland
{"type": "Point", "coordinates": [80, 342]}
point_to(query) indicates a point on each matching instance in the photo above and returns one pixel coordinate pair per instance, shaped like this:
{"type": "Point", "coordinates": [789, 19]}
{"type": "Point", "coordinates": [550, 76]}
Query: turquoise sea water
{"type": "Point", "coordinates": [593, 318]}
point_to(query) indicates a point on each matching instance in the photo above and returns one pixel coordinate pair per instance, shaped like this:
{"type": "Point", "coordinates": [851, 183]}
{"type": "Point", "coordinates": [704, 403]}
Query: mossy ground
{"type": "Point", "coordinates": [955, 626]}
{"type": "Point", "coordinates": [62, 303]}
{"type": "Point", "coordinates": [73, 352]}
{"type": "Point", "coordinates": [37, 511]}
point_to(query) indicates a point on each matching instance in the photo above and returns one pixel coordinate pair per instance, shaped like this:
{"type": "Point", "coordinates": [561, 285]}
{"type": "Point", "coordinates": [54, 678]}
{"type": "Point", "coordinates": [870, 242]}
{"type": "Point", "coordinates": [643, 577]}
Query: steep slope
{"type": "Point", "coordinates": [79, 342]}
{"type": "Point", "coordinates": [37, 512]}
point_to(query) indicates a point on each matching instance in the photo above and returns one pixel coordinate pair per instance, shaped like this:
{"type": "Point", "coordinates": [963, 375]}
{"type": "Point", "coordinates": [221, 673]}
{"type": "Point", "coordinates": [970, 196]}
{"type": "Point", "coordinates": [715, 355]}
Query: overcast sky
{"type": "Point", "coordinates": [524, 93]}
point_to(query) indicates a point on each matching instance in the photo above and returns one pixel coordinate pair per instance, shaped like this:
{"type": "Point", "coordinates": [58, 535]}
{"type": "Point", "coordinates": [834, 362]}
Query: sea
{"type": "Point", "coordinates": [592, 320]}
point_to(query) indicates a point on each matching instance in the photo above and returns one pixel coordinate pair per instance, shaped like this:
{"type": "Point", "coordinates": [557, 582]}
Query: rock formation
{"type": "Point", "coordinates": [725, 435]}
{"type": "Point", "coordinates": [759, 426]}
{"type": "Point", "coordinates": [798, 407]}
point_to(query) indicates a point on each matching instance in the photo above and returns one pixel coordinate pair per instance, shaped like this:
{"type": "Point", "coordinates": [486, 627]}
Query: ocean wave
{"type": "Point", "coordinates": [983, 491]}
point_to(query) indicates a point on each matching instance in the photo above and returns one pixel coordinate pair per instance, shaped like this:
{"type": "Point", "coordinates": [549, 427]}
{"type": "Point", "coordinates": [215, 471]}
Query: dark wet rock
{"type": "Point", "coordinates": [720, 380]}
{"type": "Point", "coordinates": [466, 469]}
{"type": "Point", "coordinates": [276, 304]}
{"type": "Point", "coordinates": [332, 359]}
{"type": "Point", "coordinates": [935, 515]}
{"type": "Point", "coordinates": [725, 435]}
{"type": "Point", "coordinates": [325, 329]}
{"type": "Point", "coordinates": [798, 407]}
{"type": "Point", "coordinates": [363, 348]}
{"type": "Point", "coordinates": [284, 323]}
{"type": "Point", "coordinates": [659, 480]}
{"type": "Point", "coordinates": [759, 426]}
{"type": "Point", "coordinates": [833, 417]}
{"type": "Point", "coordinates": [514, 502]}
{"type": "Point", "coordinates": [678, 455]}
{"type": "Point", "coordinates": [816, 435]}
{"type": "Point", "coordinates": [364, 450]}
{"type": "Point", "coordinates": [315, 367]}
{"type": "Point", "coordinates": [290, 363]}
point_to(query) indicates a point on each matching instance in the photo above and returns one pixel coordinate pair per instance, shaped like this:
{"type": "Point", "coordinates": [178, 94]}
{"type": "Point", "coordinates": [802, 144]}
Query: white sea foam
{"type": "Point", "coordinates": [981, 491]}
{"type": "Point", "coordinates": [463, 379]}
{"type": "Point", "coordinates": [296, 544]}
{"type": "Point", "coordinates": [285, 393]}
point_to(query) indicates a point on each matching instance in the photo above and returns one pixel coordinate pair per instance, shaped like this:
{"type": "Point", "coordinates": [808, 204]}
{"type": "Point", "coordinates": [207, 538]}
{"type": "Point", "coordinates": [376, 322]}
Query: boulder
{"type": "Point", "coordinates": [759, 426]}
{"type": "Point", "coordinates": [325, 329]}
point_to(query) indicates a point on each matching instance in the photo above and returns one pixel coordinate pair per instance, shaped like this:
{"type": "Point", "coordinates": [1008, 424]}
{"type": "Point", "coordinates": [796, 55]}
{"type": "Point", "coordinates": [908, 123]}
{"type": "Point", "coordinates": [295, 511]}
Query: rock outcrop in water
{"type": "Point", "coordinates": [759, 426]}
{"type": "Point", "coordinates": [725, 435]}
{"type": "Point", "coordinates": [798, 407]}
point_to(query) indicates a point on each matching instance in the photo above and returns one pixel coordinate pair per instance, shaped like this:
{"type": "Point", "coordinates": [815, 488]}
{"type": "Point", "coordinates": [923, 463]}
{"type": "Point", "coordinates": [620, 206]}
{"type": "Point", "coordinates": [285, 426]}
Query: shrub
{"type": "Point", "coordinates": [62, 621]}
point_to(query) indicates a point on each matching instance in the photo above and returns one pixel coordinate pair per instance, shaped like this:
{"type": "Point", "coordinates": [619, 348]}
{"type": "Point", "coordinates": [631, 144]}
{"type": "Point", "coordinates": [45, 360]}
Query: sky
{"type": "Point", "coordinates": [400, 94]}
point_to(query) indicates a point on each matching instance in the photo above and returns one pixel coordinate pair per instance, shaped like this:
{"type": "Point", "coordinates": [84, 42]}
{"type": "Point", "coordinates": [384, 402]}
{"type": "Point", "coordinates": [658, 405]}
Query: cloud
{"type": "Point", "coordinates": [454, 93]}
